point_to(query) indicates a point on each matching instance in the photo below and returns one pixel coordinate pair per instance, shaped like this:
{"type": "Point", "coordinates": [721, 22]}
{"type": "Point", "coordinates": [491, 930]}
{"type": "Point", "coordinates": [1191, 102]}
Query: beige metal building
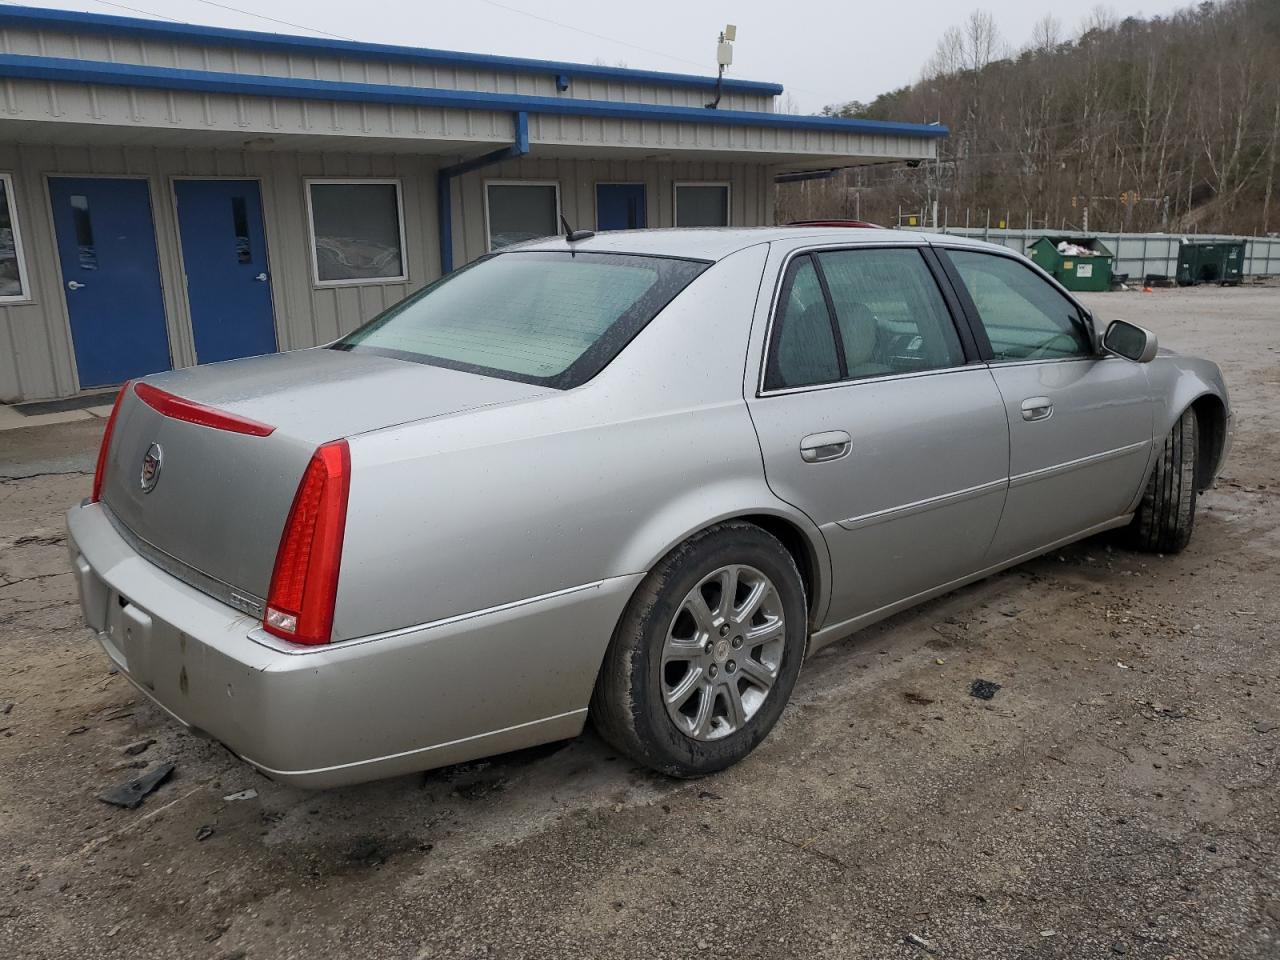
{"type": "Point", "coordinates": [174, 194]}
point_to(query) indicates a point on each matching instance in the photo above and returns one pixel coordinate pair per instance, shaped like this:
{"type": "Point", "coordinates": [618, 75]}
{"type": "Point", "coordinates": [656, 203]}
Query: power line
{"type": "Point", "coordinates": [125, 6]}
{"type": "Point", "coordinates": [597, 36]}
{"type": "Point", "coordinates": [284, 23]}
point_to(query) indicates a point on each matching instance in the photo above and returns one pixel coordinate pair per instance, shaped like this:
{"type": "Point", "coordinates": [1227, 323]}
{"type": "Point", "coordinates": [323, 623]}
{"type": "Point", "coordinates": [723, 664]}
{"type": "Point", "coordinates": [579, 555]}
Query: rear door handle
{"type": "Point", "coordinates": [831, 445]}
{"type": "Point", "coordinates": [1037, 408]}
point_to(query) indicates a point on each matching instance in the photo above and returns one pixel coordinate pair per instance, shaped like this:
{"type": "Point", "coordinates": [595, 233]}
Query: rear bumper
{"type": "Point", "coordinates": [442, 693]}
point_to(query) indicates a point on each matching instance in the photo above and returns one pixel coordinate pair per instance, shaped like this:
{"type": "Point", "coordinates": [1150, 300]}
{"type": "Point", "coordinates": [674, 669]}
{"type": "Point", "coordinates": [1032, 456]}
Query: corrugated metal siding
{"type": "Point", "coordinates": [229, 59]}
{"type": "Point", "coordinates": [36, 355]}
{"type": "Point", "coordinates": [750, 192]}
{"type": "Point", "coordinates": [170, 112]}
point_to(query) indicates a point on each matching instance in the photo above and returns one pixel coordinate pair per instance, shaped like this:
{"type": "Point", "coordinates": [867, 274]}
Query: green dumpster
{"type": "Point", "coordinates": [1078, 263]}
{"type": "Point", "coordinates": [1210, 261]}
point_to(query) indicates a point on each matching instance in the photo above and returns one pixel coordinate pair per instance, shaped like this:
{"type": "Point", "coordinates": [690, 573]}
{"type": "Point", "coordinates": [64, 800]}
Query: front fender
{"type": "Point", "coordinates": [1179, 382]}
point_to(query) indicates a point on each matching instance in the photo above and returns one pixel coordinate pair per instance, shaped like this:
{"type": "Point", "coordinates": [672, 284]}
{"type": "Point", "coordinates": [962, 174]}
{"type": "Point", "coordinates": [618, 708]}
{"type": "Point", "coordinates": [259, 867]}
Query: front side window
{"type": "Point", "coordinates": [13, 271]}
{"type": "Point", "coordinates": [543, 317]}
{"type": "Point", "coordinates": [521, 211]}
{"type": "Point", "coordinates": [1024, 317]}
{"type": "Point", "coordinates": [702, 204]}
{"type": "Point", "coordinates": [357, 231]}
{"type": "Point", "coordinates": [891, 317]}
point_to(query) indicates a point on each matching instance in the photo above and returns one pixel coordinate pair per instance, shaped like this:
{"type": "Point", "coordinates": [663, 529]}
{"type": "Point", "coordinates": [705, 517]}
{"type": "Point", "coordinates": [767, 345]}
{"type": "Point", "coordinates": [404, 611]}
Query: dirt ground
{"type": "Point", "coordinates": [1117, 797]}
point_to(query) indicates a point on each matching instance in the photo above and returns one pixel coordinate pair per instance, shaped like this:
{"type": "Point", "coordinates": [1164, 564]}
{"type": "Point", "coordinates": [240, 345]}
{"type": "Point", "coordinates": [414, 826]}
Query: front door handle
{"type": "Point", "coordinates": [818, 447]}
{"type": "Point", "coordinates": [261, 278]}
{"type": "Point", "coordinates": [74, 284]}
{"type": "Point", "coordinates": [1037, 408]}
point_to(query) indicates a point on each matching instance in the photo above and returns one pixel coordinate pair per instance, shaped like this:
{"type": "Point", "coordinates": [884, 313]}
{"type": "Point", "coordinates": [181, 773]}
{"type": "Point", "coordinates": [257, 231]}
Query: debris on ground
{"type": "Point", "coordinates": [138, 746]}
{"type": "Point", "coordinates": [242, 795]}
{"type": "Point", "coordinates": [917, 698]}
{"type": "Point", "coordinates": [920, 942]}
{"type": "Point", "coordinates": [75, 731]}
{"type": "Point", "coordinates": [983, 689]}
{"type": "Point", "coordinates": [1266, 726]}
{"type": "Point", "coordinates": [6, 708]}
{"type": "Point", "coordinates": [204, 833]}
{"type": "Point", "coordinates": [131, 793]}
{"type": "Point", "coordinates": [708, 795]}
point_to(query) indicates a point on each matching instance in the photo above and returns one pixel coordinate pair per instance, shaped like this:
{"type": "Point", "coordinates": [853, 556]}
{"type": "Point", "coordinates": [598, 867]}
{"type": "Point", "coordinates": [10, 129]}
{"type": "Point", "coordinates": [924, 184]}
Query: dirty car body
{"type": "Point", "coordinates": [481, 509]}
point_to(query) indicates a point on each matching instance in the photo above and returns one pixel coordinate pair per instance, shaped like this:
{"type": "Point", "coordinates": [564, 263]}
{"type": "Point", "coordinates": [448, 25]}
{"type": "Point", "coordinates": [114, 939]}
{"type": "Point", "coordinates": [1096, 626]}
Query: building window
{"type": "Point", "coordinates": [518, 210]}
{"type": "Point", "coordinates": [357, 231]}
{"type": "Point", "coordinates": [13, 266]}
{"type": "Point", "coordinates": [702, 205]}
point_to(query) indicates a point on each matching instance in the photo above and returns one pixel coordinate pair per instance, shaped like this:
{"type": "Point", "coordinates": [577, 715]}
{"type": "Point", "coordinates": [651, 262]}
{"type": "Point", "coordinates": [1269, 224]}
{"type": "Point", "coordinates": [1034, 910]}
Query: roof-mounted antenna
{"type": "Point", "coordinates": [571, 234]}
{"type": "Point", "coordinates": [724, 58]}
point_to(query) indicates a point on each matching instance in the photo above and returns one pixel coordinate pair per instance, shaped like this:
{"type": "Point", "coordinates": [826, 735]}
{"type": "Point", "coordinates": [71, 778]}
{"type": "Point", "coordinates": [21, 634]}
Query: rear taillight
{"type": "Point", "coordinates": [180, 408]}
{"type": "Point", "coordinates": [304, 584]}
{"type": "Point", "coordinates": [101, 470]}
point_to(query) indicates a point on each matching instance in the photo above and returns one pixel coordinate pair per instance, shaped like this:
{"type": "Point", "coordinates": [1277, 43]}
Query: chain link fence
{"type": "Point", "coordinates": [1139, 255]}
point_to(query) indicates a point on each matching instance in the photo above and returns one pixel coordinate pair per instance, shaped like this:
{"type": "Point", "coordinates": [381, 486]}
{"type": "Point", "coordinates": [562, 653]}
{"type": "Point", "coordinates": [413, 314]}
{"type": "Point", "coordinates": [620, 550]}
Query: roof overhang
{"type": "Point", "coordinates": [38, 18]}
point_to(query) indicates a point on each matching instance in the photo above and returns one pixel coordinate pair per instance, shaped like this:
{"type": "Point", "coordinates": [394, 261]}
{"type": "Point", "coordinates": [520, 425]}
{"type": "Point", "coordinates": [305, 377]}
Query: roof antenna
{"type": "Point", "coordinates": [571, 234]}
{"type": "Point", "coordinates": [724, 58]}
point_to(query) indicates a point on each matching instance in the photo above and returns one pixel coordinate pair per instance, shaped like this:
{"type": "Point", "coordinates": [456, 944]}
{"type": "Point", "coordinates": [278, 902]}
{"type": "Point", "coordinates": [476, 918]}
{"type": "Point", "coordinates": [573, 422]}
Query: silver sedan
{"type": "Point", "coordinates": [634, 477]}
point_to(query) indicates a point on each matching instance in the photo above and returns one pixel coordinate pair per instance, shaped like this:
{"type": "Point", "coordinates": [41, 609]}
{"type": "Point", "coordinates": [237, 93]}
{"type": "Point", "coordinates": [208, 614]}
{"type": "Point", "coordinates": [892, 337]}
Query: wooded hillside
{"type": "Point", "coordinates": [1162, 124]}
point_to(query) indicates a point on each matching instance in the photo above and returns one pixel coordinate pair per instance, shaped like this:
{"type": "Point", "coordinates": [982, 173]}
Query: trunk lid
{"type": "Point", "coordinates": [214, 516]}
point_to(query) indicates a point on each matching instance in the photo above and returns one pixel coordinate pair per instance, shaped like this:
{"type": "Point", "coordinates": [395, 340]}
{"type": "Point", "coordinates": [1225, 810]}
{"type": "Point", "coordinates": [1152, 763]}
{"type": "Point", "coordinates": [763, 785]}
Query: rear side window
{"type": "Point", "coordinates": [540, 317]}
{"type": "Point", "coordinates": [804, 344]}
{"type": "Point", "coordinates": [1024, 317]}
{"type": "Point", "coordinates": [891, 317]}
{"type": "Point", "coordinates": [851, 314]}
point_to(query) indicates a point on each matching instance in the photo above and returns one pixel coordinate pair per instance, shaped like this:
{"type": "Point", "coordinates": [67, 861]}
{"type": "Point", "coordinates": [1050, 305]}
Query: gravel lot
{"type": "Point", "coordinates": [1117, 797]}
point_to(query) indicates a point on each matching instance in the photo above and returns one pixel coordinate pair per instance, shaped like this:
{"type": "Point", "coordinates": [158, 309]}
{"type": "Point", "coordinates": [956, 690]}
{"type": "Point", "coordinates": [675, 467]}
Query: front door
{"type": "Point", "coordinates": [111, 277]}
{"type": "Point", "coordinates": [620, 206]}
{"type": "Point", "coordinates": [1080, 423]}
{"type": "Point", "coordinates": [224, 253]}
{"type": "Point", "coordinates": [876, 424]}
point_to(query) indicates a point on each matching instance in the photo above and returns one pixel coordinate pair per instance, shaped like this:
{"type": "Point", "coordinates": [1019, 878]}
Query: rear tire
{"type": "Point", "coordinates": [1167, 512]}
{"type": "Point", "coordinates": [666, 695]}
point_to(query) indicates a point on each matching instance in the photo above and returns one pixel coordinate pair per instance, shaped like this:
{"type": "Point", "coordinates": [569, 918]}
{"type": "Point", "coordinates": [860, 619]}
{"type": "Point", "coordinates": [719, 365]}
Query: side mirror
{"type": "Point", "coordinates": [1130, 341]}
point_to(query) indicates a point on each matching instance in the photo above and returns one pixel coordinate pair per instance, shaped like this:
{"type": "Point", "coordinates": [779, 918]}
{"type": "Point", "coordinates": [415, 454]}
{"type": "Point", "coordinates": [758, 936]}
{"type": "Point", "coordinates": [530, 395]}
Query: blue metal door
{"type": "Point", "coordinates": [224, 252]}
{"type": "Point", "coordinates": [620, 206]}
{"type": "Point", "coordinates": [107, 245]}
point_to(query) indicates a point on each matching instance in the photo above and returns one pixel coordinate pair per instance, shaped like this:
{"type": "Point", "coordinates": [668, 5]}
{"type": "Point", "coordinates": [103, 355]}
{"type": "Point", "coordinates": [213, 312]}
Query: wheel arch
{"type": "Point", "coordinates": [690, 515]}
{"type": "Point", "coordinates": [1211, 424]}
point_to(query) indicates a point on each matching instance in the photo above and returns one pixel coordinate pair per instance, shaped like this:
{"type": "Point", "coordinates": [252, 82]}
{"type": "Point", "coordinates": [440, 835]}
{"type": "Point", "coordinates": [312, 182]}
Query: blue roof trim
{"type": "Point", "coordinates": [20, 66]}
{"type": "Point", "coordinates": [40, 18]}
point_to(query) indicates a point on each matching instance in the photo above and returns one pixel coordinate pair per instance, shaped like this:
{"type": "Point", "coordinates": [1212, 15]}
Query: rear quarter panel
{"type": "Point", "coordinates": [467, 512]}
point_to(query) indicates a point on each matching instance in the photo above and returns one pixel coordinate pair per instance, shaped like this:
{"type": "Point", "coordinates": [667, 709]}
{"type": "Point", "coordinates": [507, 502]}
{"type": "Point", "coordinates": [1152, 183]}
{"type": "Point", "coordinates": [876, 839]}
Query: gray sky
{"type": "Point", "coordinates": [822, 52]}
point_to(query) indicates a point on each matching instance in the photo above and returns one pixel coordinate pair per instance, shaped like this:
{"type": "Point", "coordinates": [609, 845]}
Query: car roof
{"type": "Point", "coordinates": [715, 243]}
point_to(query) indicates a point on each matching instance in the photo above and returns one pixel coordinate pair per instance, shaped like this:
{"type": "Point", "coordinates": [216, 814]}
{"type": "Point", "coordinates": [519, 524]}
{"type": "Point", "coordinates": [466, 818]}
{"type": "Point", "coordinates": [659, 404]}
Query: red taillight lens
{"type": "Point", "coordinates": [304, 584]}
{"type": "Point", "coordinates": [100, 471]}
{"type": "Point", "coordinates": [180, 408]}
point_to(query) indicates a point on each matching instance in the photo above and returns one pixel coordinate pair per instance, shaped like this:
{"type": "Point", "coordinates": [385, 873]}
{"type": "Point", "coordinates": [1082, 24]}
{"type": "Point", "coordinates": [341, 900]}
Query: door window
{"type": "Point", "coordinates": [890, 316]}
{"type": "Point", "coordinates": [851, 314]}
{"type": "Point", "coordinates": [1024, 317]}
{"type": "Point", "coordinates": [804, 346]}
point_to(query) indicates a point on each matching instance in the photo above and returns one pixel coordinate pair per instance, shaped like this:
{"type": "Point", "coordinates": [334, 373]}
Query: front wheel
{"type": "Point", "coordinates": [1167, 512]}
{"type": "Point", "coordinates": [706, 654]}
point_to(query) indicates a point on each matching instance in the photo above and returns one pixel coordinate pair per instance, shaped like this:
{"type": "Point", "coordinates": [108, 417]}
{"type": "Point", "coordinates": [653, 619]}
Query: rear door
{"type": "Point", "coordinates": [1080, 422]}
{"type": "Point", "coordinates": [224, 255]}
{"type": "Point", "coordinates": [110, 276]}
{"type": "Point", "coordinates": [876, 418]}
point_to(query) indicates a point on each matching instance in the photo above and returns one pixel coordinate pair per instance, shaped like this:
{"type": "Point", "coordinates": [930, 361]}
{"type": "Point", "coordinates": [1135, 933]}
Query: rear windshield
{"type": "Point", "coordinates": [552, 318]}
